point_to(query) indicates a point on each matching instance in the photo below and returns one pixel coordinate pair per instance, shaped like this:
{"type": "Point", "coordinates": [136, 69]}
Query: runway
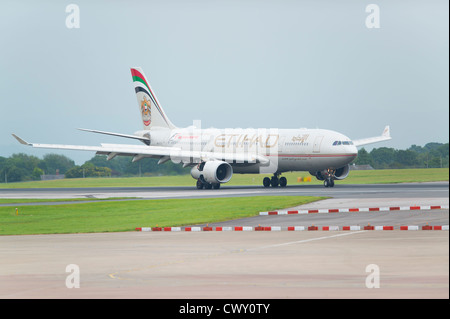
{"type": "Point", "coordinates": [250, 265]}
{"type": "Point", "coordinates": [410, 190]}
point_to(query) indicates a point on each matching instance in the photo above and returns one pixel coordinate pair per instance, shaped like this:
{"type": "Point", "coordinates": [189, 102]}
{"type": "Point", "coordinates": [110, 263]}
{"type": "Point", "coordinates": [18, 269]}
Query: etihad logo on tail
{"type": "Point", "coordinates": [146, 111]}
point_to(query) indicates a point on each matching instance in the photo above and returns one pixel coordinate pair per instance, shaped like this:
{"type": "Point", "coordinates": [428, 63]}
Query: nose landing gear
{"type": "Point", "coordinates": [329, 178]}
{"type": "Point", "coordinates": [328, 182]}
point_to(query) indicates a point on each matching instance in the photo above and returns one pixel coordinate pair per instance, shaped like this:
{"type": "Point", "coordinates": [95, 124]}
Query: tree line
{"type": "Point", "coordinates": [432, 155]}
{"type": "Point", "coordinates": [23, 167]}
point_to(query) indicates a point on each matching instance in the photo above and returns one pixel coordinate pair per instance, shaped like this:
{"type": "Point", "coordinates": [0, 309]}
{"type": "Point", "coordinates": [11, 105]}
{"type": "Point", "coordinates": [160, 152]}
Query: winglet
{"type": "Point", "coordinates": [385, 136]}
{"type": "Point", "coordinates": [21, 141]}
{"type": "Point", "coordinates": [386, 132]}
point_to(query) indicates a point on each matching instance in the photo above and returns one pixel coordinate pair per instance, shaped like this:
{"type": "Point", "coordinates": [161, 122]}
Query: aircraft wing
{"type": "Point", "coordinates": [177, 155]}
{"type": "Point", "coordinates": [385, 136]}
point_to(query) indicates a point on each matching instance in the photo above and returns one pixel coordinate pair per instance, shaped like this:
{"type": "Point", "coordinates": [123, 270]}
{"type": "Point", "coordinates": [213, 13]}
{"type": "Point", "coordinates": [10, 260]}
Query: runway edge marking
{"type": "Point", "coordinates": [289, 228]}
{"type": "Point", "coordinates": [354, 209]}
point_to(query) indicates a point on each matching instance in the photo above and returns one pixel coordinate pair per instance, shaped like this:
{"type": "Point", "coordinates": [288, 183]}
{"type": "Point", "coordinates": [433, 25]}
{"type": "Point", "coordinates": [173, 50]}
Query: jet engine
{"type": "Point", "coordinates": [339, 173]}
{"type": "Point", "coordinates": [318, 175]}
{"type": "Point", "coordinates": [212, 172]}
{"type": "Point", "coordinates": [342, 172]}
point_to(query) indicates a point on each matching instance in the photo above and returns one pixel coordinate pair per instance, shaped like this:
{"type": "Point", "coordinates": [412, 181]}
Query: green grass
{"type": "Point", "coordinates": [390, 176]}
{"type": "Point", "coordinates": [55, 200]}
{"type": "Point", "coordinates": [355, 177]}
{"type": "Point", "coordinates": [114, 216]}
{"type": "Point", "coordinates": [127, 215]}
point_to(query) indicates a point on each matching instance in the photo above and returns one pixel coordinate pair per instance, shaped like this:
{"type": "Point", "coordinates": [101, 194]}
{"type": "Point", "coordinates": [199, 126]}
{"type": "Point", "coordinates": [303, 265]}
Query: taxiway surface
{"type": "Point", "coordinates": [251, 265]}
{"type": "Point", "coordinates": [412, 264]}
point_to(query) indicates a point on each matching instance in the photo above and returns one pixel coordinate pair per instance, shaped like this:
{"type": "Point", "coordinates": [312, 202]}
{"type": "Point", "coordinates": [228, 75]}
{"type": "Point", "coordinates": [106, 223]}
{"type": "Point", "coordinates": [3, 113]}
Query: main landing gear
{"type": "Point", "coordinates": [275, 181]}
{"type": "Point", "coordinates": [203, 184]}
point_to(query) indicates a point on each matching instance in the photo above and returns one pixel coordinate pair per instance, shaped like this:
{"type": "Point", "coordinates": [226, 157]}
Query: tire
{"type": "Point", "coordinates": [216, 186]}
{"type": "Point", "coordinates": [266, 182]}
{"type": "Point", "coordinates": [200, 184]}
{"type": "Point", "coordinates": [328, 182]}
{"type": "Point", "coordinates": [283, 181]}
{"type": "Point", "coordinates": [208, 186]}
{"type": "Point", "coordinates": [274, 181]}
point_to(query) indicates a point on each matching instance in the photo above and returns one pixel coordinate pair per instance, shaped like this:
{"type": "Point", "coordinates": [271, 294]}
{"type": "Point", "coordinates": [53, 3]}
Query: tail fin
{"type": "Point", "coordinates": [151, 111]}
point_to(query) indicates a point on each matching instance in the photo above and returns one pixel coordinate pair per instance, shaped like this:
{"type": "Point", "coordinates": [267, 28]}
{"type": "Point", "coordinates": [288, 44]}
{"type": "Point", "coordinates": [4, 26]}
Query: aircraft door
{"type": "Point", "coordinates": [317, 143]}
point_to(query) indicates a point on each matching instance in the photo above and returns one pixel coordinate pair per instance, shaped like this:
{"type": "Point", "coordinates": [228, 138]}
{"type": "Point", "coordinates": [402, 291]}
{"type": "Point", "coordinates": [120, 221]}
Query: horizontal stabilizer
{"type": "Point", "coordinates": [21, 141]}
{"type": "Point", "coordinates": [141, 138]}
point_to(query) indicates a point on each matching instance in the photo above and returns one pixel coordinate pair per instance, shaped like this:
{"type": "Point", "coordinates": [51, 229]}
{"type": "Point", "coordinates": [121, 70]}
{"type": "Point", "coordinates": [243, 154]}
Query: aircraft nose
{"type": "Point", "coordinates": [352, 151]}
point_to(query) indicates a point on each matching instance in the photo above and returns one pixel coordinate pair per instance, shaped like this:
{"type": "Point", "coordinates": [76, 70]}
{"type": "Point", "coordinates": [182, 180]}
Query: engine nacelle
{"type": "Point", "coordinates": [318, 175]}
{"type": "Point", "coordinates": [213, 172]}
{"type": "Point", "coordinates": [339, 174]}
{"type": "Point", "coordinates": [342, 172]}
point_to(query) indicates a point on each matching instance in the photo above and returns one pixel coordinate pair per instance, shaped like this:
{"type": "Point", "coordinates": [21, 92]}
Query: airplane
{"type": "Point", "coordinates": [214, 155]}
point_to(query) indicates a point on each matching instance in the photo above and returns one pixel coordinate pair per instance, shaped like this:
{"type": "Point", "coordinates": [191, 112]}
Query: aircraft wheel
{"type": "Point", "coordinates": [283, 181]}
{"type": "Point", "coordinates": [266, 182]}
{"type": "Point", "coordinates": [274, 181]}
{"type": "Point", "coordinates": [200, 184]}
{"type": "Point", "coordinates": [328, 182]}
{"type": "Point", "coordinates": [216, 186]}
{"type": "Point", "coordinates": [208, 186]}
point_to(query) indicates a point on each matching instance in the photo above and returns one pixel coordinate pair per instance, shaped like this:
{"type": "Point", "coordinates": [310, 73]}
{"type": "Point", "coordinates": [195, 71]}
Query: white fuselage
{"type": "Point", "coordinates": [287, 149]}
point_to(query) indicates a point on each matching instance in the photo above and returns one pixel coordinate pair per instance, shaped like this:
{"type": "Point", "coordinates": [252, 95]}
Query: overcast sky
{"type": "Point", "coordinates": [283, 64]}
